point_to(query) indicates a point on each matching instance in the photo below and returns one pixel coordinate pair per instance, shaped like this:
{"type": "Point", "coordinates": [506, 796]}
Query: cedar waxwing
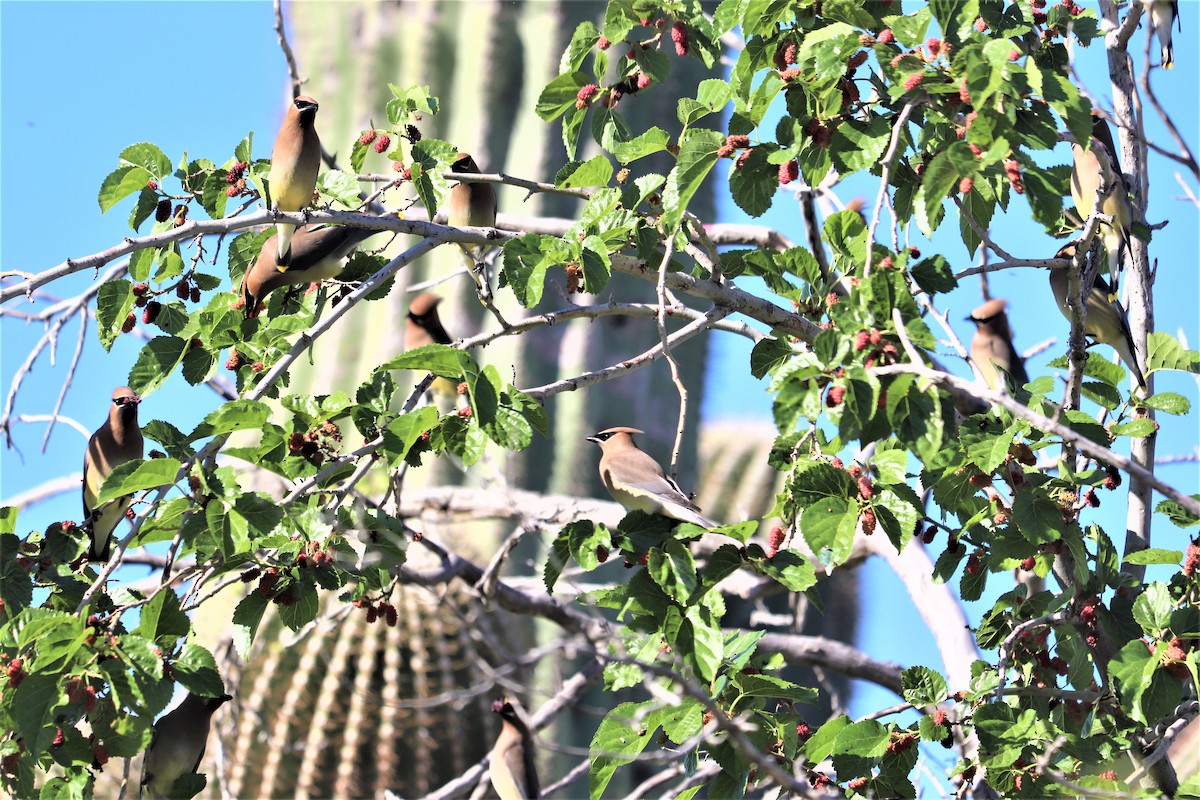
{"type": "Point", "coordinates": [317, 252]}
{"type": "Point", "coordinates": [991, 346]}
{"type": "Point", "coordinates": [178, 743]}
{"type": "Point", "coordinates": [424, 327]}
{"type": "Point", "coordinates": [1164, 14]}
{"type": "Point", "coordinates": [114, 443]}
{"type": "Point", "coordinates": [1098, 167]}
{"type": "Point", "coordinates": [471, 204]}
{"type": "Point", "coordinates": [295, 161]}
{"type": "Point", "coordinates": [1106, 321]}
{"type": "Point", "coordinates": [636, 481]}
{"type": "Point", "coordinates": [511, 763]}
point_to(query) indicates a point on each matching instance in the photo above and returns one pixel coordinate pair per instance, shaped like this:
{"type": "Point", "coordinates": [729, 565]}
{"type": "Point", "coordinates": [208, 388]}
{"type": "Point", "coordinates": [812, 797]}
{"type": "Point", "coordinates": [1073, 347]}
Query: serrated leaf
{"type": "Point", "coordinates": [697, 156]}
{"type": "Point", "coordinates": [196, 669]}
{"type": "Point", "coordinates": [134, 476]}
{"type": "Point", "coordinates": [155, 363]}
{"type": "Point", "coordinates": [596, 171]}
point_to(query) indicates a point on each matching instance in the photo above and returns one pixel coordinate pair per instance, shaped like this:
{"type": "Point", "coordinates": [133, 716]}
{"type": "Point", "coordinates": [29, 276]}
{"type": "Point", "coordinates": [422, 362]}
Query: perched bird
{"type": "Point", "coordinates": [424, 327]}
{"type": "Point", "coordinates": [511, 763]}
{"type": "Point", "coordinates": [1106, 320]}
{"type": "Point", "coordinates": [636, 481]}
{"type": "Point", "coordinates": [471, 205]}
{"type": "Point", "coordinates": [317, 252]}
{"type": "Point", "coordinates": [295, 160]}
{"type": "Point", "coordinates": [1163, 15]}
{"type": "Point", "coordinates": [114, 443]}
{"type": "Point", "coordinates": [178, 743]}
{"type": "Point", "coordinates": [1094, 169]}
{"type": "Point", "coordinates": [992, 348]}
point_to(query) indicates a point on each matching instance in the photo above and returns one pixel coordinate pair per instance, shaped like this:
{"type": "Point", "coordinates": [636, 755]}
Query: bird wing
{"type": "Point", "coordinates": [640, 474]}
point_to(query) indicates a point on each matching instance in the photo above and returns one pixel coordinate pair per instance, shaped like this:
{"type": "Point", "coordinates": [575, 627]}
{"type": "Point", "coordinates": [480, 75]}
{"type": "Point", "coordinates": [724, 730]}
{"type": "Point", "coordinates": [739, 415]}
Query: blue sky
{"type": "Point", "coordinates": [200, 76]}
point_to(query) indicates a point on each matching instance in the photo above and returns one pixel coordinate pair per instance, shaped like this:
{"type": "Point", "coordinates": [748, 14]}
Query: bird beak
{"type": "Point", "coordinates": [595, 439]}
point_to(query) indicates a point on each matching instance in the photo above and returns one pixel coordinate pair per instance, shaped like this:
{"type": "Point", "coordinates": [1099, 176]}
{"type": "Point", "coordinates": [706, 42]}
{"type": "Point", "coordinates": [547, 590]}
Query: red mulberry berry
{"type": "Point", "coordinates": [803, 731]}
{"type": "Point", "coordinates": [788, 172]}
{"type": "Point", "coordinates": [151, 312]}
{"type": "Point", "coordinates": [585, 95]}
{"type": "Point", "coordinates": [913, 81]}
{"type": "Point", "coordinates": [966, 185]}
{"type": "Point", "coordinates": [886, 36]}
{"type": "Point", "coordinates": [1012, 170]}
{"type": "Point", "coordinates": [194, 295]}
{"type": "Point", "coordinates": [980, 25]}
{"type": "Point", "coordinates": [1039, 17]}
{"type": "Point", "coordinates": [391, 615]}
{"type": "Point", "coordinates": [1191, 560]}
{"type": "Point", "coordinates": [601, 554]}
{"type": "Point", "coordinates": [181, 290]}
{"type": "Point", "coordinates": [465, 412]}
{"type": "Point", "coordinates": [775, 541]}
{"type": "Point", "coordinates": [679, 35]}
{"type": "Point", "coordinates": [865, 489]}
{"type": "Point", "coordinates": [867, 520]}
{"type": "Point", "coordinates": [643, 80]}
{"type": "Point", "coordinates": [1013, 55]}
{"type": "Point", "coordinates": [383, 143]}
{"type": "Point", "coordinates": [234, 361]}
{"type": "Point", "coordinates": [1091, 498]}
{"type": "Point", "coordinates": [162, 212]}
{"type": "Point", "coordinates": [1028, 564]}
{"type": "Point", "coordinates": [140, 289]}
{"type": "Point", "coordinates": [857, 60]}
{"type": "Point", "coordinates": [835, 396]}
{"type": "Point", "coordinates": [603, 43]}
{"type": "Point", "coordinates": [934, 45]}
{"type": "Point", "coordinates": [366, 138]}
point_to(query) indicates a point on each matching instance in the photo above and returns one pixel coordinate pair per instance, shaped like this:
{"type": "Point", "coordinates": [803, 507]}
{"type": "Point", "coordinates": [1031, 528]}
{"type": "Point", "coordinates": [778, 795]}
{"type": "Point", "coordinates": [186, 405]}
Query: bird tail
{"type": "Point", "coordinates": [283, 248]}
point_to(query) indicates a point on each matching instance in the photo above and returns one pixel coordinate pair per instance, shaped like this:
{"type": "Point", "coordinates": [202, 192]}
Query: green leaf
{"type": "Point", "coordinates": [440, 359]}
{"type": "Point", "coordinates": [405, 431]}
{"type": "Point", "coordinates": [236, 415]}
{"type": "Point", "coordinates": [1154, 555]}
{"type": "Point", "coordinates": [1169, 403]}
{"type": "Point", "coordinates": [769, 354]}
{"type": "Point", "coordinates": [339, 185]}
{"type": "Point", "coordinates": [597, 268]}
{"type": "Point", "coordinates": [114, 301]}
{"type": "Point", "coordinates": [559, 95]}
{"type": "Point", "coordinates": [149, 157]}
{"type": "Point", "coordinates": [922, 686]}
{"type": "Point", "coordinates": [155, 363]}
{"type": "Point", "coordinates": [296, 615]}
{"type": "Point", "coordinates": [934, 275]}
{"type": "Point", "coordinates": [828, 526]}
{"type": "Point", "coordinates": [596, 171]}
{"type": "Point", "coordinates": [119, 184]}
{"type": "Point", "coordinates": [652, 141]}
{"type": "Point", "coordinates": [134, 476]}
{"type": "Point", "coordinates": [707, 645]}
{"type": "Point", "coordinates": [620, 737]}
{"type": "Point", "coordinates": [753, 182]}
{"type": "Point", "coordinates": [163, 620]}
{"type": "Point", "coordinates": [1152, 609]}
{"type": "Point", "coordinates": [196, 669]}
{"type": "Point", "coordinates": [787, 567]}
{"type": "Point", "coordinates": [33, 708]}
{"type": "Point", "coordinates": [1135, 429]}
{"type": "Point", "coordinates": [582, 41]}
{"type": "Point", "coordinates": [246, 618]}
{"type": "Point", "coordinates": [1166, 353]}
{"type": "Point", "coordinates": [526, 260]}
{"type": "Point", "coordinates": [673, 569]}
{"type": "Point", "coordinates": [1037, 516]}
{"type": "Point", "coordinates": [697, 156]}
